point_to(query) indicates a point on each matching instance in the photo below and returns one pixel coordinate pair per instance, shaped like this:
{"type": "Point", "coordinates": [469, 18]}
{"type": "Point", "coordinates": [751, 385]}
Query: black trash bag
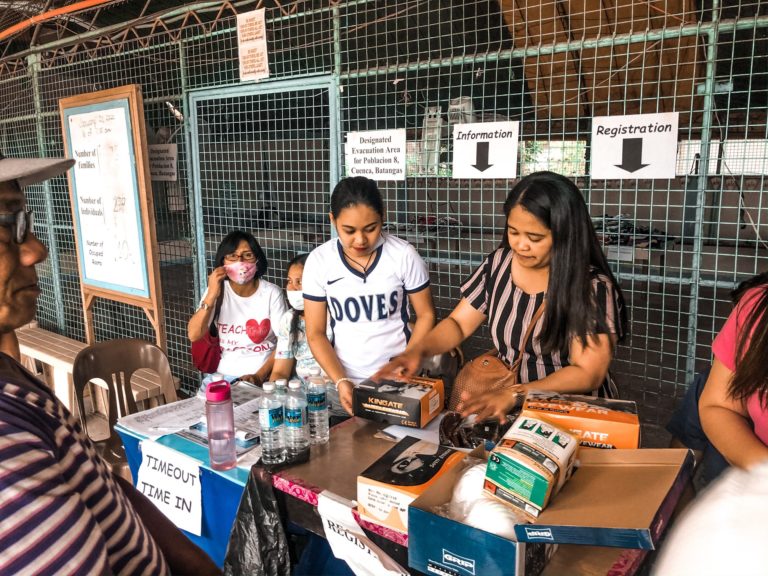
{"type": "Point", "coordinates": [257, 545]}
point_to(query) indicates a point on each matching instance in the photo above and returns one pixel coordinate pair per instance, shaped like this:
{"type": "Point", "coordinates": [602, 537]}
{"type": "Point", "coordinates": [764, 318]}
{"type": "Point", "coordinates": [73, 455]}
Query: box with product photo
{"type": "Point", "coordinates": [389, 485]}
{"type": "Point", "coordinates": [598, 422]}
{"type": "Point", "coordinates": [412, 402]}
{"type": "Point", "coordinates": [530, 464]}
{"type": "Point", "coordinates": [614, 498]}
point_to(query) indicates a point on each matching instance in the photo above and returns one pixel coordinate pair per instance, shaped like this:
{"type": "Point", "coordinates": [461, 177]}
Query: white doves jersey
{"type": "Point", "coordinates": [368, 312]}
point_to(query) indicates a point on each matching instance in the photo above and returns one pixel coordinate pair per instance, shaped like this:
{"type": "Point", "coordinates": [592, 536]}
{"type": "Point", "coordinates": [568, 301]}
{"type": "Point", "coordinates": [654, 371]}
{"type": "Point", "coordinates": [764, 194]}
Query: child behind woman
{"type": "Point", "coordinates": [292, 352]}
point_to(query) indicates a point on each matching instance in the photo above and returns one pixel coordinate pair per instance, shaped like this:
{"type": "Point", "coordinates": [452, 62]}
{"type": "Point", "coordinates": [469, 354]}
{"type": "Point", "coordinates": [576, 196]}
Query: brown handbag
{"type": "Point", "coordinates": [489, 372]}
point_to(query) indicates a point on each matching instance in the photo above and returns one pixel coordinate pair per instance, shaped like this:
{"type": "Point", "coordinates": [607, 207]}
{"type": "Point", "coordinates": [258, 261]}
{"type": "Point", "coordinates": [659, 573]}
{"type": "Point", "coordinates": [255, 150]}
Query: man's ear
{"type": "Point", "coordinates": [331, 218]}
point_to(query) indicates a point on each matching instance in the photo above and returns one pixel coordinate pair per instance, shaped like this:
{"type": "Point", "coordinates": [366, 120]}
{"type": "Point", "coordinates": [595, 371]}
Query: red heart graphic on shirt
{"type": "Point", "coordinates": [257, 331]}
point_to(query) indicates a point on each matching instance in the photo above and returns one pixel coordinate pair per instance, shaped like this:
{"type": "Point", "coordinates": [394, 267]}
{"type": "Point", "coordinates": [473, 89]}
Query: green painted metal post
{"type": "Point", "coordinates": [53, 245]}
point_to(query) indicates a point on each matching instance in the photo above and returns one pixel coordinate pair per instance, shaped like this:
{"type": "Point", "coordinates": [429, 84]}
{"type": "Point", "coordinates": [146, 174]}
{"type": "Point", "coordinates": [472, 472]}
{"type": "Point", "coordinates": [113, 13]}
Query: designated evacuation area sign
{"type": "Point", "coordinates": [378, 155]}
{"type": "Point", "coordinates": [638, 146]}
{"type": "Point", "coordinates": [485, 150]}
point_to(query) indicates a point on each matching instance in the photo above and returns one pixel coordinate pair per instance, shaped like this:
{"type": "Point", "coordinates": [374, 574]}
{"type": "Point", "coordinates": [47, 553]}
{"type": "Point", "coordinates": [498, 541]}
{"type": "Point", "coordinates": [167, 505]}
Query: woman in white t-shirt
{"type": "Point", "coordinates": [250, 309]}
{"type": "Point", "coordinates": [367, 281]}
{"type": "Point", "coordinates": [292, 355]}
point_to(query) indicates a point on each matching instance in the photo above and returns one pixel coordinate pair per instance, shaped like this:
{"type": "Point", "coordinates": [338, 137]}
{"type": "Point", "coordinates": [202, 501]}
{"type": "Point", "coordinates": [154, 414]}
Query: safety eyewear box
{"type": "Point", "coordinates": [598, 422]}
{"type": "Point", "coordinates": [412, 402]}
{"type": "Point", "coordinates": [389, 485]}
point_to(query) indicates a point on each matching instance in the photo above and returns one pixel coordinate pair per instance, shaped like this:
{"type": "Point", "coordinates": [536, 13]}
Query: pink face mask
{"type": "Point", "coordinates": [241, 272]}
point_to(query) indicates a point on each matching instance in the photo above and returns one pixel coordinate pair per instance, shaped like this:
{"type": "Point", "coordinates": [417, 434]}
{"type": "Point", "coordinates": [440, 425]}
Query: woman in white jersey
{"type": "Point", "coordinates": [250, 309]}
{"type": "Point", "coordinates": [365, 280]}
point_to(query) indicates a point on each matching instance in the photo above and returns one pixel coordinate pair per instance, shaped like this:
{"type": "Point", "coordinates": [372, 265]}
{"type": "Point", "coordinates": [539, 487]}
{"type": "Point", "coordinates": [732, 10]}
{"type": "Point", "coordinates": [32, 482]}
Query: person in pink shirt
{"type": "Point", "coordinates": [734, 404]}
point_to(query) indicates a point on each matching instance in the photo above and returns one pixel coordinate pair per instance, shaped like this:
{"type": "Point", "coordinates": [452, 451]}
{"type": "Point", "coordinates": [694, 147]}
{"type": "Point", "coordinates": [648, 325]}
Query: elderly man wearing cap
{"type": "Point", "coordinates": [61, 509]}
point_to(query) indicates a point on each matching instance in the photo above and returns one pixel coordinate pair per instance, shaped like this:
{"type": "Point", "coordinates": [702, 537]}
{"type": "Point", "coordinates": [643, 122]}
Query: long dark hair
{"type": "Point", "coordinates": [751, 375]}
{"type": "Point", "coordinates": [356, 190]}
{"type": "Point", "coordinates": [576, 255]}
{"type": "Point", "coordinates": [231, 241]}
{"type": "Point", "coordinates": [293, 331]}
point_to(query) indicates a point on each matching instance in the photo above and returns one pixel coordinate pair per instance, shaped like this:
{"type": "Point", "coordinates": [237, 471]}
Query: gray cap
{"type": "Point", "coordinates": [28, 171]}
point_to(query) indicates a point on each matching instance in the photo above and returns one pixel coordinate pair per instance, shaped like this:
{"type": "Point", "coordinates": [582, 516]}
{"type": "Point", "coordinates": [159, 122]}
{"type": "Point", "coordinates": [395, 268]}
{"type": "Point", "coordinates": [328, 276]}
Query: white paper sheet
{"type": "Point", "coordinates": [349, 542]}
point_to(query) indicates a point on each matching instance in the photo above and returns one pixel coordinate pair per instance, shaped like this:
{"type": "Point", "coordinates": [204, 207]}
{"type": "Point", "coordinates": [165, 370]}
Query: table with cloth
{"type": "Point", "coordinates": [354, 445]}
{"type": "Point", "coordinates": [221, 491]}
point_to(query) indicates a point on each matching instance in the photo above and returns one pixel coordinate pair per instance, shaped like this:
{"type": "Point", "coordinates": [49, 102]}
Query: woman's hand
{"type": "Point", "coordinates": [346, 389]}
{"type": "Point", "coordinates": [405, 364]}
{"type": "Point", "coordinates": [252, 379]}
{"type": "Point", "coordinates": [214, 281]}
{"type": "Point", "coordinates": [492, 404]}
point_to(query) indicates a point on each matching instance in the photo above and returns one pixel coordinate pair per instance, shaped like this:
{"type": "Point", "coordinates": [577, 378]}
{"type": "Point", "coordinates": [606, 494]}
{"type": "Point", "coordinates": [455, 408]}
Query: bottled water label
{"type": "Point", "coordinates": [295, 417]}
{"type": "Point", "coordinates": [271, 418]}
{"type": "Point", "coordinates": [316, 401]}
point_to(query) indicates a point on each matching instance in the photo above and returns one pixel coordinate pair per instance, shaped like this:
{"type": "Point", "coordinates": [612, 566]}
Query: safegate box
{"type": "Point", "coordinates": [598, 422]}
{"type": "Point", "coordinates": [413, 401]}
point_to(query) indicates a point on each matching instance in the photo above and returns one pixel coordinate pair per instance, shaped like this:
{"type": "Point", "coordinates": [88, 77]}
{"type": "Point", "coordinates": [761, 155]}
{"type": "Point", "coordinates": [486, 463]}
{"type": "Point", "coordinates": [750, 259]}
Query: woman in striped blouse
{"type": "Point", "coordinates": [549, 253]}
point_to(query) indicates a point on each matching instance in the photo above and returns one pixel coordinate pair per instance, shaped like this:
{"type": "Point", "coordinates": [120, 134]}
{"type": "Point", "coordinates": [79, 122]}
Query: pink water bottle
{"type": "Point", "coordinates": [220, 419]}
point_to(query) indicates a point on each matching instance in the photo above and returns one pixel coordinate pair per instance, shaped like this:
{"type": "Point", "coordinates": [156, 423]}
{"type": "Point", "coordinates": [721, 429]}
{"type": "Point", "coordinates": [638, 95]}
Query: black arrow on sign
{"type": "Point", "coordinates": [481, 161]}
{"type": "Point", "coordinates": [632, 155]}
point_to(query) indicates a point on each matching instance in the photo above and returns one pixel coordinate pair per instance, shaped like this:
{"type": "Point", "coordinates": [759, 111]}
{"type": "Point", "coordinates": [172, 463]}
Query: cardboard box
{"type": "Point", "coordinates": [412, 402]}
{"type": "Point", "coordinates": [599, 422]}
{"type": "Point", "coordinates": [530, 464]}
{"type": "Point", "coordinates": [616, 498]}
{"type": "Point", "coordinates": [389, 485]}
{"type": "Point", "coordinates": [621, 498]}
{"type": "Point", "coordinates": [440, 545]}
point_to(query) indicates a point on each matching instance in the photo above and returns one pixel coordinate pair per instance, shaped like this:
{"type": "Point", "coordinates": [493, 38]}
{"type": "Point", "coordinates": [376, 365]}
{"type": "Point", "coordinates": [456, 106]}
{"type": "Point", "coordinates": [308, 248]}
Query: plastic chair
{"type": "Point", "coordinates": [114, 362]}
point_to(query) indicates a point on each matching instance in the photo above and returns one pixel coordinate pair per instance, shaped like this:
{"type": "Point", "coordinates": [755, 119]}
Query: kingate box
{"type": "Point", "coordinates": [412, 402]}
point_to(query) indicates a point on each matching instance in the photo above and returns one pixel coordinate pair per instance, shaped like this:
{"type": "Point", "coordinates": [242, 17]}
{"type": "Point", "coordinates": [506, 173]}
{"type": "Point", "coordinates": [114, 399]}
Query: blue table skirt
{"type": "Point", "coordinates": [221, 491]}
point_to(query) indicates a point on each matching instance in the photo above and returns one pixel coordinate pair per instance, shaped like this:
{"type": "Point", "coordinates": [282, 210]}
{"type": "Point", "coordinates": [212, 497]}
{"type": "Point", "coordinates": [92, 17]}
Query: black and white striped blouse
{"type": "Point", "coordinates": [490, 290]}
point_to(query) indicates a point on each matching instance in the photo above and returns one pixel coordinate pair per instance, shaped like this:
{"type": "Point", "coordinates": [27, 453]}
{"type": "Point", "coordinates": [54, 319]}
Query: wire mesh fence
{"type": "Point", "coordinates": [265, 156]}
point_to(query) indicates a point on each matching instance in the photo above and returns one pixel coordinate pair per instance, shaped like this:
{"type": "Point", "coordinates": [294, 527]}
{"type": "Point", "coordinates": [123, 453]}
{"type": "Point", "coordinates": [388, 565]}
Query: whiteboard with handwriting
{"type": "Point", "coordinates": [106, 197]}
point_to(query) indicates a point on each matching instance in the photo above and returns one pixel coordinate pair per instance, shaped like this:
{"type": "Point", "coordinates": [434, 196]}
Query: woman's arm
{"type": "Point", "coordinates": [726, 421]}
{"type": "Point", "coordinates": [460, 324]}
{"type": "Point", "coordinates": [587, 371]}
{"type": "Point", "coordinates": [588, 367]}
{"type": "Point", "coordinates": [201, 319]}
{"type": "Point", "coordinates": [425, 315]}
{"type": "Point", "coordinates": [282, 369]}
{"type": "Point", "coordinates": [316, 320]}
{"type": "Point", "coordinates": [262, 374]}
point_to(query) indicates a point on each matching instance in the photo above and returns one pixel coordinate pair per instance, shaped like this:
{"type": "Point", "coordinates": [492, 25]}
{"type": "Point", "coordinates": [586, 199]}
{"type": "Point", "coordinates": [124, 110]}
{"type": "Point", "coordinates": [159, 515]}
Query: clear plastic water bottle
{"type": "Point", "coordinates": [220, 421]}
{"type": "Point", "coordinates": [272, 427]}
{"type": "Point", "coordinates": [301, 384]}
{"type": "Point", "coordinates": [281, 389]}
{"type": "Point", "coordinates": [317, 406]}
{"type": "Point", "coordinates": [215, 377]}
{"type": "Point", "coordinates": [296, 422]}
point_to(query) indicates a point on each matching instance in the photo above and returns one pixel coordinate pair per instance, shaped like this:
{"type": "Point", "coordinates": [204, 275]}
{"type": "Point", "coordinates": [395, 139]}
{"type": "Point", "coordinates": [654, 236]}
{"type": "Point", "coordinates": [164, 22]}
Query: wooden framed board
{"type": "Point", "coordinates": [112, 203]}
